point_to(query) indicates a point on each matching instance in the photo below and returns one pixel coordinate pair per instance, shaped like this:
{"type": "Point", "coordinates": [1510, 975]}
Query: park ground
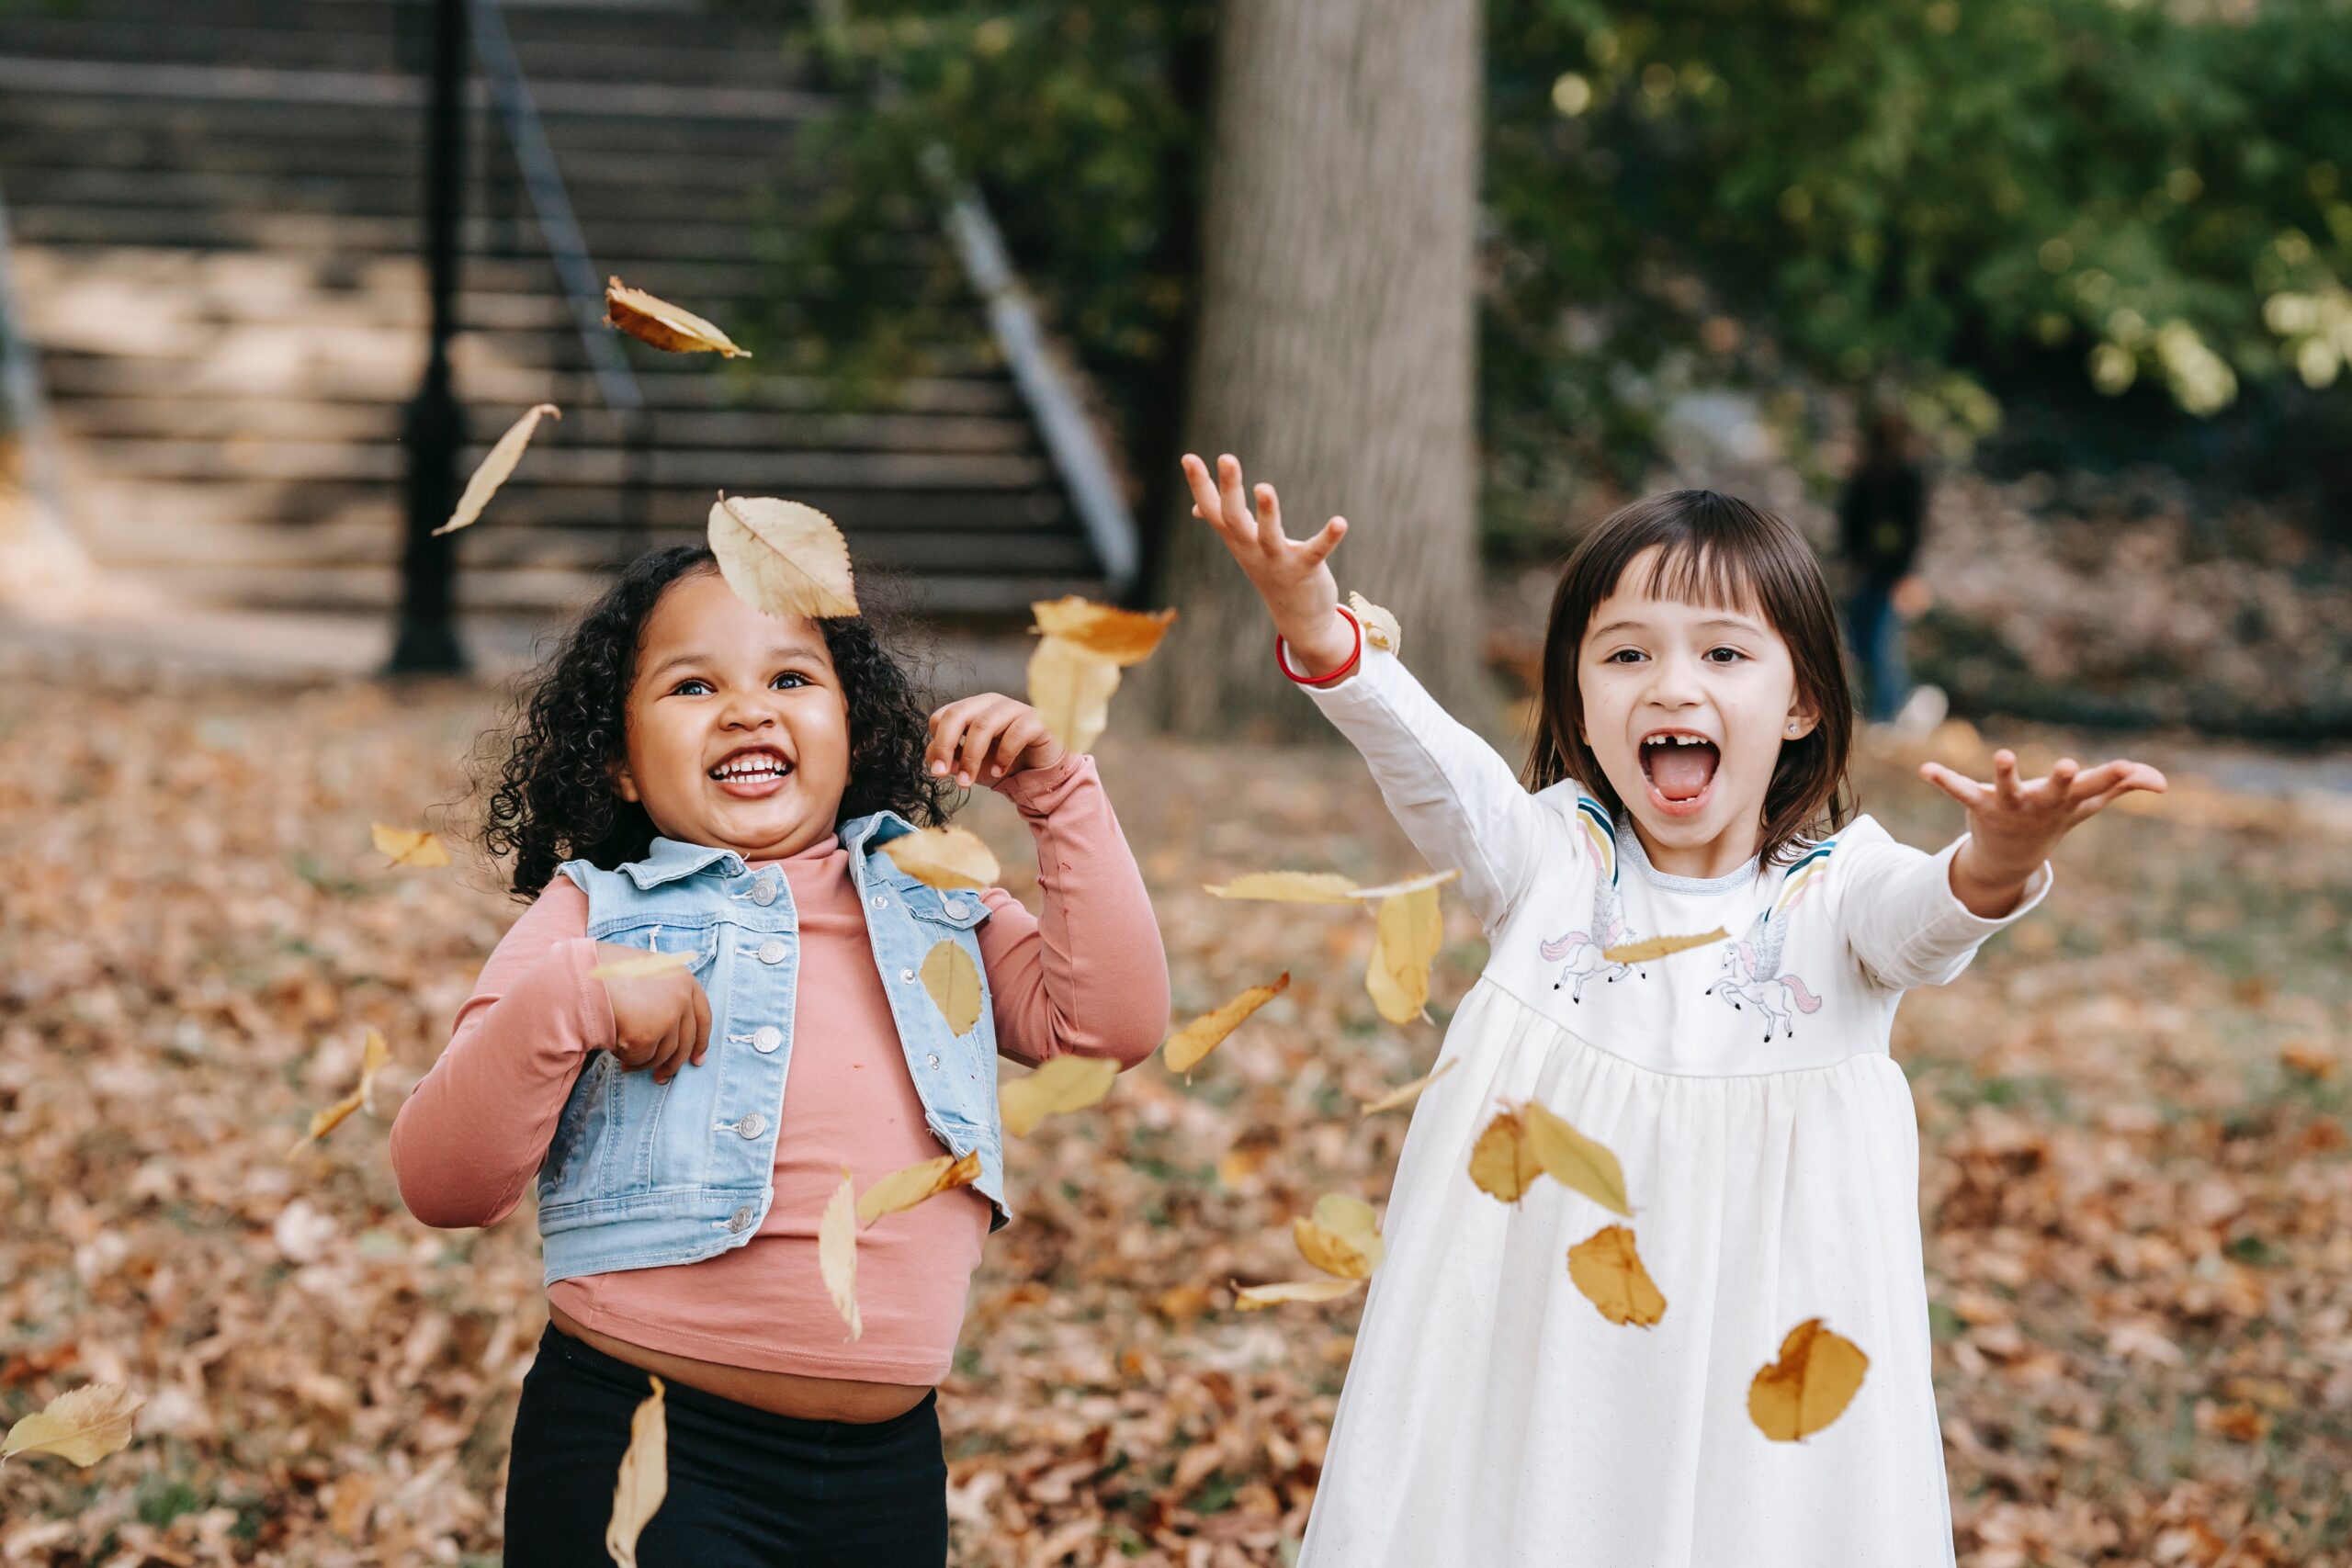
{"type": "Point", "coordinates": [2137, 1182]}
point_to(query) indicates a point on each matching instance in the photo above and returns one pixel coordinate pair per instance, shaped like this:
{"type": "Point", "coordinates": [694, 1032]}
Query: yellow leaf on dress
{"type": "Point", "coordinates": [1411, 931]}
{"type": "Point", "coordinates": [1398, 1097]}
{"type": "Point", "coordinates": [644, 1479]}
{"type": "Point", "coordinates": [663, 325]}
{"type": "Point", "coordinates": [781, 557]}
{"type": "Point", "coordinates": [374, 1057]}
{"type": "Point", "coordinates": [1184, 1050]}
{"type": "Point", "coordinates": [642, 966]}
{"type": "Point", "coordinates": [1660, 946]}
{"type": "Point", "coordinates": [1500, 1162]}
{"type": "Point", "coordinates": [1380, 627]}
{"type": "Point", "coordinates": [1070, 688]}
{"type": "Point", "coordinates": [1816, 1377]}
{"type": "Point", "coordinates": [1251, 1298]}
{"type": "Point", "coordinates": [950, 859]}
{"type": "Point", "coordinates": [1288, 887]}
{"type": "Point", "coordinates": [409, 846]}
{"type": "Point", "coordinates": [1574, 1160]}
{"type": "Point", "coordinates": [1123, 637]}
{"type": "Point", "coordinates": [903, 1189]}
{"type": "Point", "coordinates": [1343, 1238]}
{"type": "Point", "coordinates": [1061, 1084]}
{"type": "Point", "coordinates": [954, 982]}
{"type": "Point", "coordinates": [1607, 1270]}
{"type": "Point", "coordinates": [82, 1425]}
{"type": "Point", "coordinates": [497, 467]}
{"type": "Point", "coordinates": [837, 1252]}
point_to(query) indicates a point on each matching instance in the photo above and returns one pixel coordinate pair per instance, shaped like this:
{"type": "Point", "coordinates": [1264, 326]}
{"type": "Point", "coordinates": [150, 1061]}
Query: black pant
{"type": "Point", "coordinates": [747, 1487]}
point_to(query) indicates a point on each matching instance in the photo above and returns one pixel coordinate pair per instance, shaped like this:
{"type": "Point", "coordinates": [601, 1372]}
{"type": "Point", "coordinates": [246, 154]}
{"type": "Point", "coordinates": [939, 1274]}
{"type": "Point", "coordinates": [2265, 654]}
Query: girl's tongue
{"type": "Point", "coordinates": [1679, 772]}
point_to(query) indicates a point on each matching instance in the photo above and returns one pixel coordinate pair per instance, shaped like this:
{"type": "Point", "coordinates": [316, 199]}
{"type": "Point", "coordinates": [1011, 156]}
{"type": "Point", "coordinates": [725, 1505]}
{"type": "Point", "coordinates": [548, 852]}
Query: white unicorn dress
{"type": "Point", "coordinates": [1492, 1419]}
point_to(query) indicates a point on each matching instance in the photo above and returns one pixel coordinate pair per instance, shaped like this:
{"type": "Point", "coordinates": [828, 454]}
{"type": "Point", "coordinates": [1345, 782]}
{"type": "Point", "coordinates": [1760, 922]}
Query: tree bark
{"type": "Point", "coordinates": [1333, 353]}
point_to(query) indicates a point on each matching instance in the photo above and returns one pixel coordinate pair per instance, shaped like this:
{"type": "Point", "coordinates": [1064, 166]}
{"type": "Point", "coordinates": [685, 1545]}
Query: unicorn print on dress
{"type": "Point", "coordinates": [1751, 967]}
{"type": "Point", "coordinates": [1583, 955]}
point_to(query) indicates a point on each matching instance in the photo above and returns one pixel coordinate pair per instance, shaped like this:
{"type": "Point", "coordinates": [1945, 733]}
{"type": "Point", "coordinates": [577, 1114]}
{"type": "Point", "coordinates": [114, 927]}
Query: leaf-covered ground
{"type": "Point", "coordinates": [2137, 1183]}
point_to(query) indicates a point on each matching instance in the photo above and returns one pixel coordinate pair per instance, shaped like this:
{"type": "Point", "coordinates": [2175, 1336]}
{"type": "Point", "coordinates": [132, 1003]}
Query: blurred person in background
{"type": "Point", "coordinates": [1880, 517]}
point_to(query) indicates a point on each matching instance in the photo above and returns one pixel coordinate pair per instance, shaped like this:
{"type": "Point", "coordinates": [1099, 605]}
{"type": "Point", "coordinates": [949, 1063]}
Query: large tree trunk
{"type": "Point", "coordinates": [1333, 350]}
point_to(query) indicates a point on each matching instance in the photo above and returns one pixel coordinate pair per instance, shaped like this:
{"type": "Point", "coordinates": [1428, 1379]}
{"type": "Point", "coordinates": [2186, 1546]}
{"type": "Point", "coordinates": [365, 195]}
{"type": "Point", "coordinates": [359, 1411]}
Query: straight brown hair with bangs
{"type": "Point", "coordinates": [1715, 550]}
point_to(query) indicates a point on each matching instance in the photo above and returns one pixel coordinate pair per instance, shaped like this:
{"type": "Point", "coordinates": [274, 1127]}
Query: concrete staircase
{"type": "Point", "coordinates": [217, 213]}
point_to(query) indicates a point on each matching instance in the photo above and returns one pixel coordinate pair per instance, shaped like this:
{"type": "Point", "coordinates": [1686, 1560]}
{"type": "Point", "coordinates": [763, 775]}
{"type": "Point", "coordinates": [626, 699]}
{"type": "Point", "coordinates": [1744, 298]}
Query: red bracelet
{"type": "Point", "coordinates": [1282, 656]}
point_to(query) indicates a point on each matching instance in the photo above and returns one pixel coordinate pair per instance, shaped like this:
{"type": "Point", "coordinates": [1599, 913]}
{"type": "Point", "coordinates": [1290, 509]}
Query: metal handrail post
{"type": "Point", "coordinates": [29, 411]}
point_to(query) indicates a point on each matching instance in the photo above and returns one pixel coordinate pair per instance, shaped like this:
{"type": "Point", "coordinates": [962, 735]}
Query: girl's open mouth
{"type": "Point", "coordinates": [752, 773]}
{"type": "Point", "coordinates": [1680, 768]}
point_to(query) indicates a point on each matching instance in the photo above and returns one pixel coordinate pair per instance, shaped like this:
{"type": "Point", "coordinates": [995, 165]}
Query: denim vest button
{"type": "Point", "coordinates": [906, 973]}
{"type": "Point", "coordinates": [740, 1220]}
{"type": "Point", "coordinates": [772, 951]}
{"type": "Point", "coordinates": [753, 1125]}
{"type": "Point", "coordinates": [764, 891]}
{"type": "Point", "coordinates": [880, 902]}
{"type": "Point", "coordinates": [955, 908]}
{"type": "Point", "coordinates": [766, 1038]}
{"type": "Point", "coordinates": [933, 1060]}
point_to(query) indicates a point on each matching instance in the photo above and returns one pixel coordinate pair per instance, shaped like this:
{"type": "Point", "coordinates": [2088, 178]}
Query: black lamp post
{"type": "Point", "coordinates": [426, 640]}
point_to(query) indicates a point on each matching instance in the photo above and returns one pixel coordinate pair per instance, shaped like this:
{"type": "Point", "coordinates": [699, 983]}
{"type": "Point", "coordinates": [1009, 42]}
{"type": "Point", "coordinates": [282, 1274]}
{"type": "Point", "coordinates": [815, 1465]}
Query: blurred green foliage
{"type": "Point", "coordinates": [1966, 198]}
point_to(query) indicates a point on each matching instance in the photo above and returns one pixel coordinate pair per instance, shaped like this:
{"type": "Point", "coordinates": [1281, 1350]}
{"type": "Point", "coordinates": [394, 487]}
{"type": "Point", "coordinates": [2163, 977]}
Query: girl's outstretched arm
{"type": "Point", "coordinates": [2013, 823]}
{"type": "Point", "coordinates": [1460, 803]}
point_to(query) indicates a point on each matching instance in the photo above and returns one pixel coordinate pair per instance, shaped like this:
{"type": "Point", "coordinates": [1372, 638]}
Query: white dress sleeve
{"type": "Point", "coordinates": [1899, 917]}
{"type": "Point", "coordinates": [1462, 805]}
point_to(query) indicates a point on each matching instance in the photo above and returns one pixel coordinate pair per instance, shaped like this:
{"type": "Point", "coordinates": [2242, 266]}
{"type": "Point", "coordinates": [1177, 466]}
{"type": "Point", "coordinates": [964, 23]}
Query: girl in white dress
{"type": "Point", "coordinates": [1690, 775]}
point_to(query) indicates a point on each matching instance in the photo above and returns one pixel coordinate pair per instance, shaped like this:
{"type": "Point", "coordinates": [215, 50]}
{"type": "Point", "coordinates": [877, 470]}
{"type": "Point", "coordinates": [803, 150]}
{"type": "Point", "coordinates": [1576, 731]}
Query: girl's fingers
{"type": "Point", "coordinates": [1961, 788]}
{"type": "Point", "coordinates": [1234, 499]}
{"type": "Point", "coordinates": [1018, 736]}
{"type": "Point", "coordinates": [974, 753]}
{"type": "Point", "coordinates": [702, 1024]}
{"type": "Point", "coordinates": [2098, 779]}
{"type": "Point", "coordinates": [2005, 777]}
{"type": "Point", "coordinates": [1326, 539]}
{"type": "Point", "coordinates": [1206, 502]}
{"type": "Point", "coordinates": [1269, 519]}
{"type": "Point", "coordinates": [948, 728]}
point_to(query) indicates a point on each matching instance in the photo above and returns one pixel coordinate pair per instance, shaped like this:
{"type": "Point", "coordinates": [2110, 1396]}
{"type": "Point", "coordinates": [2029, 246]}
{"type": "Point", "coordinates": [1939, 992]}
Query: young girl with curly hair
{"type": "Point", "coordinates": [691, 776]}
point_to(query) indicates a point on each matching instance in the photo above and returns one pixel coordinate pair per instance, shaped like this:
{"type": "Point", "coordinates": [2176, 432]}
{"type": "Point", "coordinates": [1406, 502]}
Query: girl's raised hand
{"type": "Point", "coordinates": [1293, 577]}
{"type": "Point", "coordinates": [2014, 822]}
{"type": "Point", "coordinates": [987, 738]}
{"type": "Point", "coordinates": [661, 1021]}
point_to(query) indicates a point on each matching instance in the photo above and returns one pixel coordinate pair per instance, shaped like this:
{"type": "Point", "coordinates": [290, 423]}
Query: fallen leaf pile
{"type": "Point", "coordinates": [2138, 1208]}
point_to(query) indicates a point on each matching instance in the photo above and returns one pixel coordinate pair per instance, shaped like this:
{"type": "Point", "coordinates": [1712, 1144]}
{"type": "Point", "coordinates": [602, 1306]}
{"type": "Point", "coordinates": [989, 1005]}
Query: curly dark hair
{"type": "Point", "coordinates": [550, 766]}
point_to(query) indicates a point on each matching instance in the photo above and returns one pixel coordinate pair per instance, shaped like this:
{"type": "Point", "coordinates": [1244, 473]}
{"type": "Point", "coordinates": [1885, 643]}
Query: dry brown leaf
{"type": "Point", "coordinates": [1574, 1160]}
{"type": "Point", "coordinates": [1251, 1298]}
{"type": "Point", "coordinates": [1070, 688]}
{"type": "Point", "coordinates": [1810, 1386]}
{"type": "Point", "coordinates": [1380, 627]}
{"type": "Point", "coordinates": [409, 846]}
{"type": "Point", "coordinates": [1288, 887]}
{"type": "Point", "coordinates": [1411, 931]}
{"type": "Point", "coordinates": [1501, 1161]}
{"type": "Point", "coordinates": [950, 859]}
{"type": "Point", "coordinates": [1660, 946]}
{"type": "Point", "coordinates": [497, 467]}
{"type": "Point", "coordinates": [1123, 637]}
{"type": "Point", "coordinates": [1397, 1099]}
{"type": "Point", "coordinates": [1607, 1270]}
{"type": "Point", "coordinates": [903, 1189]}
{"type": "Point", "coordinates": [1061, 1084]}
{"type": "Point", "coordinates": [374, 1057]}
{"type": "Point", "coordinates": [82, 1425]}
{"type": "Point", "coordinates": [837, 1252]}
{"type": "Point", "coordinates": [2309, 1060]}
{"type": "Point", "coordinates": [663, 325]}
{"type": "Point", "coordinates": [954, 982]}
{"type": "Point", "coordinates": [644, 1478]}
{"type": "Point", "coordinates": [781, 557]}
{"type": "Point", "coordinates": [641, 967]}
{"type": "Point", "coordinates": [1186, 1047]}
{"type": "Point", "coordinates": [1342, 1238]}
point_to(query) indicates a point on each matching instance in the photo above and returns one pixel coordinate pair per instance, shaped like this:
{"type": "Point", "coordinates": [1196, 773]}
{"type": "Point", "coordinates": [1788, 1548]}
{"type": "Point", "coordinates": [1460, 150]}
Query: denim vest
{"type": "Point", "coordinates": [640, 1173]}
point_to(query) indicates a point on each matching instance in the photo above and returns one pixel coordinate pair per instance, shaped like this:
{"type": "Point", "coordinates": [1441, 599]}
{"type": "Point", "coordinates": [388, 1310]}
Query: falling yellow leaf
{"type": "Point", "coordinates": [1810, 1386]}
{"type": "Point", "coordinates": [497, 467]}
{"type": "Point", "coordinates": [663, 324]}
{"type": "Point", "coordinates": [947, 858]}
{"type": "Point", "coordinates": [1343, 1238]}
{"type": "Point", "coordinates": [1501, 1161]}
{"type": "Point", "coordinates": [837, 1252]}
{"type": "Point", "coordinates": [925, 1179]}
{"type": "Point", "coordinates": [1380, 627]}
{"type": "Point", "coordinates": [1070, 688]}
{"type": "Point", "coordinates": [1123, 637]}
{"type": "Point", "coordinates": [1574, 1160]}
{"type": "Point", "coordinates": [409, 846]}
{"type": "Point", "coordinates": [1411, 931]}
{"type": "Point", "coordinates": [954, 982]}
{"type": "Point", "coordinates": [644, 1479]}
{"type": "Point", "coordinates": [1288, 887]}
{"type": "Point", "coordinates": [1251, 1298]}
{"type": "Point", "coordinates": [641, 967]}
{"type": "Point", "coordinates": [82, 1425]}
{"type": "Point", "coordinates": [1185, 1048]}
{"type": "Point", "coordinates": [1061, 1084]}
{"type": "Point", "coordinates": [781, 557]}
{"type": "Point", "coordinates": [1660, 946]}
{"type": "Point", "coordinates": [374, 1057]}
{"type": "Point", "coordinates": [1609, 1272]}
{"type": "Point", "coordinates": [1410, 884]}
{"type": "Point", "coordinates": [1397, 1099]}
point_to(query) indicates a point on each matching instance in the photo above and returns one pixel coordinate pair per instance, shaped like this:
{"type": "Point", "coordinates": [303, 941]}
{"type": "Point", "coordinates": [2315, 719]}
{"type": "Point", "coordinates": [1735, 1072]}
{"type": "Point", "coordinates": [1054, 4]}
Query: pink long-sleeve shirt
{"type": "Point", "coordinates": [1087, 978]}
